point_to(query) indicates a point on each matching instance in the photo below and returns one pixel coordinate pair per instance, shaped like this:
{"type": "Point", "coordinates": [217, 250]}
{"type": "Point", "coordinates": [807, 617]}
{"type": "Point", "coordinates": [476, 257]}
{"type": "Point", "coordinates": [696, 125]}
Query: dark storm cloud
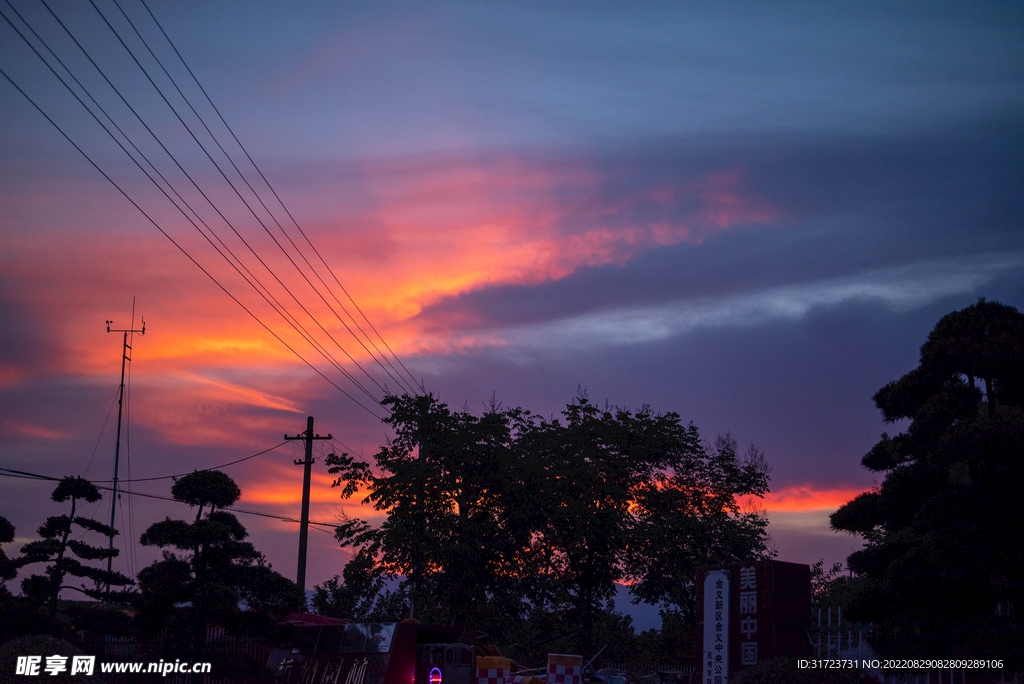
{"type": "Point", "coordinates": [391, 78]}
{"type": "Point", "coordinates": [843, 206]}
{"type": "Point", "coordinates": [801, 390]}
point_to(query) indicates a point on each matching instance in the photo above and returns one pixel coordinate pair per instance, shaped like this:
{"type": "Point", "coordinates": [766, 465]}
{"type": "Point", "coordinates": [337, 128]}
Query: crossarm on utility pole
{"type": "Point", "coordinates": [307, 437]}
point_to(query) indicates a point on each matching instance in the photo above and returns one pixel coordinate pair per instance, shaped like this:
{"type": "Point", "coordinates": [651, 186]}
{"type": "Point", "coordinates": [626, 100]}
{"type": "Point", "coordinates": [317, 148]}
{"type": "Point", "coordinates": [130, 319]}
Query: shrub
{"type": "Point", "coordinates": [36, 645]}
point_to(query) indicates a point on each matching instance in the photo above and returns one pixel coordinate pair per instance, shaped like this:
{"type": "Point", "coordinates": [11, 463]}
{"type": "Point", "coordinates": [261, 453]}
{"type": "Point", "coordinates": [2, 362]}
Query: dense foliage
{"type": "Point", "coordinates": [509, 523]}
{"type": "Point", "coordinates": [943, 569]}
{"type": "Point", "coordinates": [209, 576]}
{"type": "Point", "coordinates": [36, 645]}
{"type": "Point", "coordinates": [210, 568]}
{"type": "Point", "coordinates": [8, 568]}
{"type": "Point", "coordinates": [498, 518]}
{"type": "Point", "coordinates": [64, 555]}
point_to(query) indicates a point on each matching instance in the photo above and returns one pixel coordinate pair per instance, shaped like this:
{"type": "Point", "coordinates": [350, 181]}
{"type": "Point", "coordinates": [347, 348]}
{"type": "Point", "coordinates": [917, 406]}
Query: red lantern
{"type": "Point", "coordinates": [435, 676]}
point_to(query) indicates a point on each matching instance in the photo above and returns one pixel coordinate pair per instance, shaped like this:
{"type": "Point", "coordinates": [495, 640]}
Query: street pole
{"type": "Point", "coordinates": [307, 437]}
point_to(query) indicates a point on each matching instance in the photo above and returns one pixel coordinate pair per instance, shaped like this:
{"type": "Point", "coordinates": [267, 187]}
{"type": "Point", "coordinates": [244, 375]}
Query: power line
{"type": "Point", "coordinates": [236, 191]}
{"type": "Point", "coordinates": [24, 475]}
{"type": "Point", "coordinates": [347, 449]}
{"type": "Point", "coordinates": [312, 342]}
{"type": "Point", "coordinates": [277, 306]}
{"type": "Point", "coordinates": [281, 311]}
{"type": "Point", "coordinates": [256, 194]}
{"type": "Point", "coordinates": [97, 445]}
{"type": "Point", "coordinates": [217, 467]}
{"type": "Point", "coordinates": [175, 243]}
{"type": "Point", "coordinates": [280, 201]}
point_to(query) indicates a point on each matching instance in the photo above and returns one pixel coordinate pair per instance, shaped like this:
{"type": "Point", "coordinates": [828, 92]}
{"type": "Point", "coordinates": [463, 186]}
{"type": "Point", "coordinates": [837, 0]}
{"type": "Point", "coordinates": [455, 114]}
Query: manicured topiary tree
{"type": "Point", "coordinates": [209, 574]}
{"type": "Point", "coordinates": [64, 555]}
{"type": "Point", "coordinates": [943, 568]}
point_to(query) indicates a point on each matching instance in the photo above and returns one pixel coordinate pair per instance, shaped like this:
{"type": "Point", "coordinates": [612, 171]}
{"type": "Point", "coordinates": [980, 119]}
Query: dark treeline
{"type": "Point", "coordinates": [209, 576]}
{"type": "Point", "coordinates": [511, 525]}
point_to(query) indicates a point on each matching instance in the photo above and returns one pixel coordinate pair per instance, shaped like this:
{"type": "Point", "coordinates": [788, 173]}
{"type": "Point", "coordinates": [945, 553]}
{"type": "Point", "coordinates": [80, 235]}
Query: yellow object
{"type": "Point", "coordinates": [493, 663]}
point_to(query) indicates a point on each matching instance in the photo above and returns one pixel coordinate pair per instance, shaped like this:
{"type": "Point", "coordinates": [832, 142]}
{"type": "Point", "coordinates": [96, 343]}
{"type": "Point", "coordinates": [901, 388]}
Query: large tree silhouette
{"type": "Point", "coordinates": [691, 516]}
{"type": "Point", "coordinates": [449, 482]}
{"type": "Point", "coordinates": [507, 513]}
{"type": "Point", "coordinates": [943, 569]}
{"type": "Point", "coordinates": [209, 574]}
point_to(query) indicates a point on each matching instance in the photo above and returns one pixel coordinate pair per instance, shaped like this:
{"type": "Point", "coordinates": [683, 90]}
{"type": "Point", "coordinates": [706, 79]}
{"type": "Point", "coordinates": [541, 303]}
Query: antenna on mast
{"type": "Point", "coordinates": [120, 404]}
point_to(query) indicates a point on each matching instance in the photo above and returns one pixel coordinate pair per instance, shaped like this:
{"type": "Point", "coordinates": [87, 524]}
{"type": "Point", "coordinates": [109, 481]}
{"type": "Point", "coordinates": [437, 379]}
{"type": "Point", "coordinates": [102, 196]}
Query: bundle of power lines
{"type": "Point", "coordinates": [112, 65]}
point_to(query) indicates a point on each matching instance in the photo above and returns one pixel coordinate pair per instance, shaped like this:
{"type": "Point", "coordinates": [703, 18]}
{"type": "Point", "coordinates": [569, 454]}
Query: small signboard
{"type": "Point", "coordinates": [715, 665]}
{"type": "Point", "coordinates": [767, 608]}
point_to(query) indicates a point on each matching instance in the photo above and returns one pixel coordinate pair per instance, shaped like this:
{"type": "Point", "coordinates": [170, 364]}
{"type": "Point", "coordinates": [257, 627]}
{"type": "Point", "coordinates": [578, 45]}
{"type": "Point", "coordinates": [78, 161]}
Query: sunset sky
{"type": "Point", "coordinates": [751, 214]}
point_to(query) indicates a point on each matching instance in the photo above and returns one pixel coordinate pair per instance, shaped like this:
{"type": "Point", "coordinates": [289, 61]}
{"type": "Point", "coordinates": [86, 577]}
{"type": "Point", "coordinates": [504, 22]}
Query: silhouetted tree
{"type": "Point", "coordinates": [634, 495]}
{"type": "Point", "coordinates": [8, 569]}
{"type": "Point", "coordinates": [826, 585]}
{"type": "Point", "coordinates": [943, 569]}
{"type": "Point", "coordinates": [59, 550]}
{"type": "Point", "coordinates": [15, 616]}
{"type": "Point", "coordinates": [449, 484]}
{"type": "Point", "coordinates": [690, 515]}
{"type": "Point", "coordinates": [507, 513]}
{"type": "Point", "coordinates": [208, 565]}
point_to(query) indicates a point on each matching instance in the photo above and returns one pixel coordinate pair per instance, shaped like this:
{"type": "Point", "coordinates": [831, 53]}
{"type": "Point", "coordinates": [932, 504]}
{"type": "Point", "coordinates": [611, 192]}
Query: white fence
{"type": "Point", "coordinates": [835, 639]}
{"type": "Point", "coordinates": [832, 640]}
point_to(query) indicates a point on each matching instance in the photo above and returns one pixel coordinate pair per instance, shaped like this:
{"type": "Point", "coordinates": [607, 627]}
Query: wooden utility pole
{"type": "Point", "coordinates": [120, 405]}
{"type": "Point", "coordinates": [308, 437]}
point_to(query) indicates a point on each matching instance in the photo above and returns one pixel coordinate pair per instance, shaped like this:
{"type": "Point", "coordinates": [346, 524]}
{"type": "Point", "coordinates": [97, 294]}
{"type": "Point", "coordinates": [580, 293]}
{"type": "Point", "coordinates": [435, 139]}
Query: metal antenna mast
{"type": "Point", "coordinates": [307, 437]}
{"type": "Point", "coordinates": [120, 404]}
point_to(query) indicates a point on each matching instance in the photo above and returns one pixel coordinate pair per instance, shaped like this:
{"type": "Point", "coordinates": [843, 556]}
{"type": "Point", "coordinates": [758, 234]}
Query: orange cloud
{"type": "Point", "coordinates": [206, 372]}
{"type": "Point", "coordinates": [282, 492]}
{"type": "Point", "coordinates": [279, 489]}
{"type": "Point", "coordinates": [461, 225]}
{"type": "Point", "coordinates": [191, 409]}
{"type": "Point", "coordinates": [30, 430]}
{"type": "Point", "coordinates": [440, 227]}
{"type": "Point", "coordinates": [809, 497]}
